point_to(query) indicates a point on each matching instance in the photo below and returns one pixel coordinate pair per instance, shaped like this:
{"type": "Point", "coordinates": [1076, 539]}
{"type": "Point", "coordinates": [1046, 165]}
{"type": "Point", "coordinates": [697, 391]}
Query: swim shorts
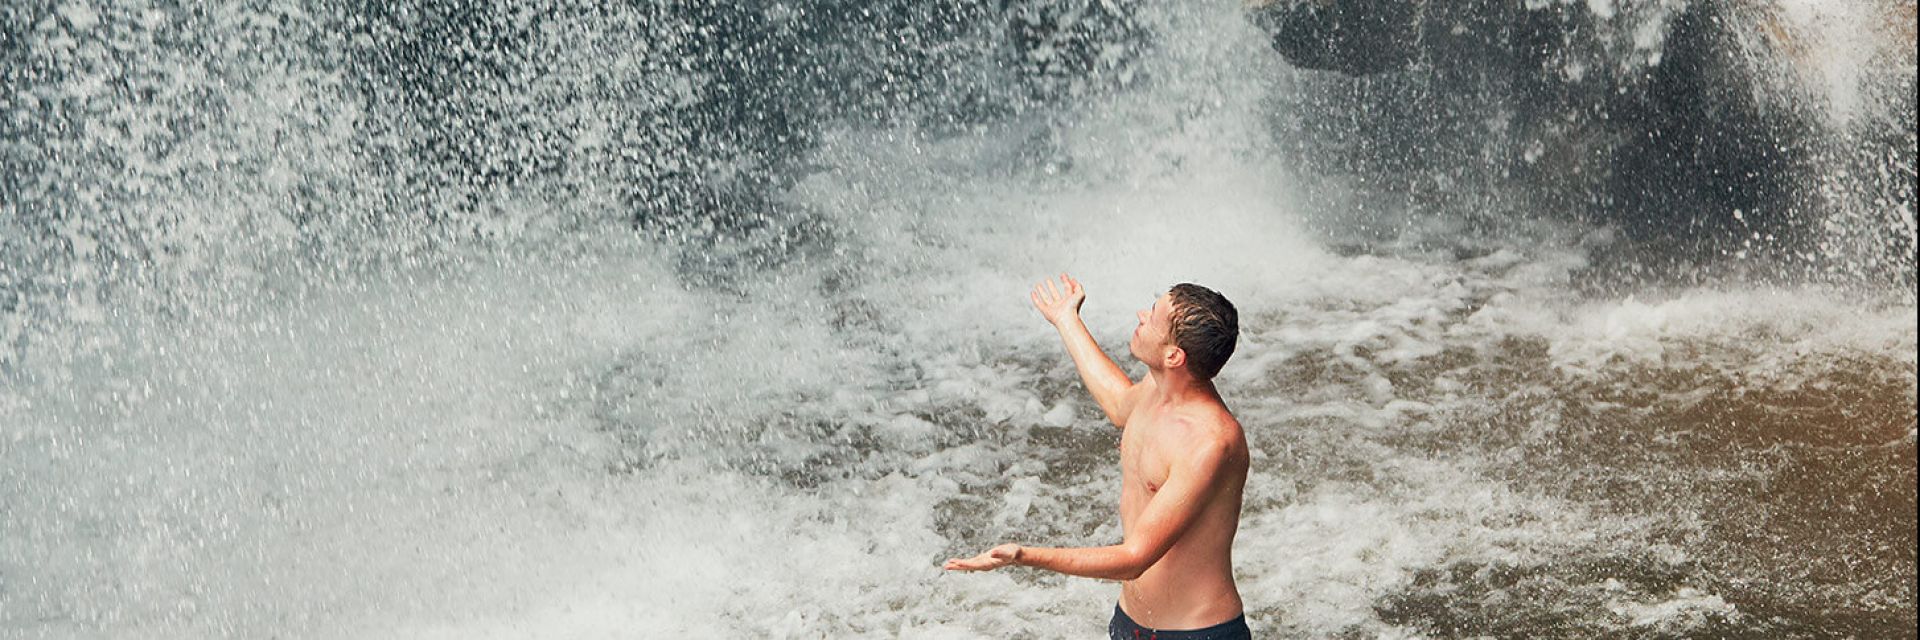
{"type": "Point", "coordinates": [1124, 628]}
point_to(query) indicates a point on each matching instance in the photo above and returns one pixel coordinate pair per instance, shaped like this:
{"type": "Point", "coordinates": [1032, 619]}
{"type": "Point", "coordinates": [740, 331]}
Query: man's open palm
{"type": "Point", "coordinates": [1058, 302]}
{"type": "Point", "coordinates": [991, 559]}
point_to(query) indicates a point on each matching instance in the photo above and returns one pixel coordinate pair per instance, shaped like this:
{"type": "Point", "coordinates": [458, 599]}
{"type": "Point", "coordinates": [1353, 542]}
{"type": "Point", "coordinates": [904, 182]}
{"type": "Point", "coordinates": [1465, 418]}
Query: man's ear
{"type": "Point", "coordinates": [1176, 358]}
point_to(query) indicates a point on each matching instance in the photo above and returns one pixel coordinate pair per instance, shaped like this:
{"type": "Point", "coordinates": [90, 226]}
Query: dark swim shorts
{"type": "Point", "coordinates": [1124, 628]}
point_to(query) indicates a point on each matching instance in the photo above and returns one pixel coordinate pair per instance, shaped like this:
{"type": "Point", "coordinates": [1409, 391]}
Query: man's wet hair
{"type": "Point", "coordinates": [1206, 326]}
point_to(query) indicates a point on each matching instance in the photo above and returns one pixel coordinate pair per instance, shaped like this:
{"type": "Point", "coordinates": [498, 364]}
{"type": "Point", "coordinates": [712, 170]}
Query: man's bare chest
{"type": "Point", "coordinates": [1143, 460]}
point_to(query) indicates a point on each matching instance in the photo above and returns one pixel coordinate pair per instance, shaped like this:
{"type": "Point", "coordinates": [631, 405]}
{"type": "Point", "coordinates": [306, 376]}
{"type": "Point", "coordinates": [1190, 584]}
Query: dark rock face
{"type": "Point", "coordinates": [1681, 126]}
{"type": "Point", "coordinates": [1355, 38]}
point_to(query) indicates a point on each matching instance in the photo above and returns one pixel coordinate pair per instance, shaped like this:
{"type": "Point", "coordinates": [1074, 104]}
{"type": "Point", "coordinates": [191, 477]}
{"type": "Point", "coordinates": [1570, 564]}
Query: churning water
{"type": "Point", "coordinates": [708, 319]}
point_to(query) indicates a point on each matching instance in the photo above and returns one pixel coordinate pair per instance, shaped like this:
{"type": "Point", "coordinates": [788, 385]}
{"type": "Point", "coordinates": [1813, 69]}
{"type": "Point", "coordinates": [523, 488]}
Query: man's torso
{"type": "Point", "coordinates": [1192, 585]}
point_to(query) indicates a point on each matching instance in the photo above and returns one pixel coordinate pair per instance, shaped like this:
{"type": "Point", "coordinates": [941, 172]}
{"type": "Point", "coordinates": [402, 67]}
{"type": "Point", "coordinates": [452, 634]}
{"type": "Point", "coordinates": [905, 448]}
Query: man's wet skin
{"type": "Point", "coordinates": [1183, 461]}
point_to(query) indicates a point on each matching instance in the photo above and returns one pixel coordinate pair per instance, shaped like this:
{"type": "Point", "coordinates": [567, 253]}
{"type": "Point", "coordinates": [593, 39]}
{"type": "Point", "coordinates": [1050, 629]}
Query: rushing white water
{"type": "Point", "coordinates": [604, 433]}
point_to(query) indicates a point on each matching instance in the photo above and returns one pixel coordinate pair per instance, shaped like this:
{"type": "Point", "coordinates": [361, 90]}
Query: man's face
{"type": "Point", "coordinates": [1155, 332]}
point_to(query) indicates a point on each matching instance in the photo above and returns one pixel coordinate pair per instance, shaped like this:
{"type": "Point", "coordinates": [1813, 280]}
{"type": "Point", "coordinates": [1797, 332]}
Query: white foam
{"type": "Point", "coordinates": [1780, 325]}
{"type": "Point", "coordinates": [1325, 559]}
{"type": "Point", "coordinates": [1687, 608]}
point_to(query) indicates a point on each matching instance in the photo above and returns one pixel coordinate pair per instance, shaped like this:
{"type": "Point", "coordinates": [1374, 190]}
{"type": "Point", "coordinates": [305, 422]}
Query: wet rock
{"type": "Point", "coordinates": [1357, 37]}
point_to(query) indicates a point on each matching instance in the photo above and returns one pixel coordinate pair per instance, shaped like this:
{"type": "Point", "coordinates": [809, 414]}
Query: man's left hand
{"type": "Point", "coordinates": [994, 558]}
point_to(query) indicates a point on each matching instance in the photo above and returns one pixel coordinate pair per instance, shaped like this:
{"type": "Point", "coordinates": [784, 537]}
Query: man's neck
{"type": "Point", "coordinates": [1177, 387]}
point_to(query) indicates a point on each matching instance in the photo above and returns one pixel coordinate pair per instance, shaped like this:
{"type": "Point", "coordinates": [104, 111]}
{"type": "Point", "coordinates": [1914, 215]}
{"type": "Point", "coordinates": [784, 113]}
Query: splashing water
{"type": "Point", "coordinates": [510, 320]}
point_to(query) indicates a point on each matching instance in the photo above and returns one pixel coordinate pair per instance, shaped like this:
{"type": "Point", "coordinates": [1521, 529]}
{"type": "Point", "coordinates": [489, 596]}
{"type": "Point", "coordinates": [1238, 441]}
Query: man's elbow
{"type": "Point", "coordinates": [1134, 562]}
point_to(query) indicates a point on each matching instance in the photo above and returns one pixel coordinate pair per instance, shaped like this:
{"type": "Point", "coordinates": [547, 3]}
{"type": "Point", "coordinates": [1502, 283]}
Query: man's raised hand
{"type": "Point", "coordinates": [1061, 302]}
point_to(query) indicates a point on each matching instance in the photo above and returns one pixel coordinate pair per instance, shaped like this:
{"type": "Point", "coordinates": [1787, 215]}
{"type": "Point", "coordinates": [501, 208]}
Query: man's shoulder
{"type": "Point", "coordinates": [1208, 423]}
{"type": "Point", "coordinates": [1207, 414]}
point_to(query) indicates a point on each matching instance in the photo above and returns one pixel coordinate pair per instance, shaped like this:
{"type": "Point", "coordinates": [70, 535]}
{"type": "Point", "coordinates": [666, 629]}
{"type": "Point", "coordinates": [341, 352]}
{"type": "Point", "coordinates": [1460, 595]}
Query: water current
{"type": "Point", "coordinates": [707, 319]}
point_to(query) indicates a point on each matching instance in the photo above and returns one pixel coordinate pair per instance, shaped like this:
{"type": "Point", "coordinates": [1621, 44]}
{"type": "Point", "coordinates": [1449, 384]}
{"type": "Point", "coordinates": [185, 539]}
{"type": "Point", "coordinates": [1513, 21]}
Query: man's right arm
{"type": "Point", "coordinates": [1105, 380]}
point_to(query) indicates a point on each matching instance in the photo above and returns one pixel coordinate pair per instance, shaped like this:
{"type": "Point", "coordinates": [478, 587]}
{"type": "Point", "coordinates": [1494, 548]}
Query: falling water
{"type": "Point", "coordinates": [505, 319]}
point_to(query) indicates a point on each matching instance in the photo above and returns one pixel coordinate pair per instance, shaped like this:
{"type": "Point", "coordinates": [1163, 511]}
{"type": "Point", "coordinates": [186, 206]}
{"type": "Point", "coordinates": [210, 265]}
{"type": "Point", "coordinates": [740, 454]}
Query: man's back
{"type": "Point", "coordinates": [1192, 585]}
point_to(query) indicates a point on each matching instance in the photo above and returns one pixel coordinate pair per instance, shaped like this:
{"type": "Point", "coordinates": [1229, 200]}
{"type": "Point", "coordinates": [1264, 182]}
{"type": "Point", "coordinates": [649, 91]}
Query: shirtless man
{"type": "Point", "coordinates": [1183, 466]}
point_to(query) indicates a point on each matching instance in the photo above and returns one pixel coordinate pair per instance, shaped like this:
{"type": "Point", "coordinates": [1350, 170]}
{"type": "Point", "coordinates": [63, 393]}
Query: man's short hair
{"type": "Point", "coordinates": [1205, 326]}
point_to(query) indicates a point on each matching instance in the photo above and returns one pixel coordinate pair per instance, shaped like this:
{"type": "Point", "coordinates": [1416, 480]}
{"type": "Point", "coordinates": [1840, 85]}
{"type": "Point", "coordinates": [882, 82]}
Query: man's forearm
{"type": "Point", "coordinates": [1106, 563]}
{"type": "Point", "coordinates": [1104, 379]}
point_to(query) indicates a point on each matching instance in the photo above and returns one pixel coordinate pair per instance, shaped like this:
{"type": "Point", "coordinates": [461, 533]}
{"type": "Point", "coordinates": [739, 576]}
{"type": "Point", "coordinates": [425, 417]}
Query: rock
{"type": "Point", "coordinates": [1356, 37]}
